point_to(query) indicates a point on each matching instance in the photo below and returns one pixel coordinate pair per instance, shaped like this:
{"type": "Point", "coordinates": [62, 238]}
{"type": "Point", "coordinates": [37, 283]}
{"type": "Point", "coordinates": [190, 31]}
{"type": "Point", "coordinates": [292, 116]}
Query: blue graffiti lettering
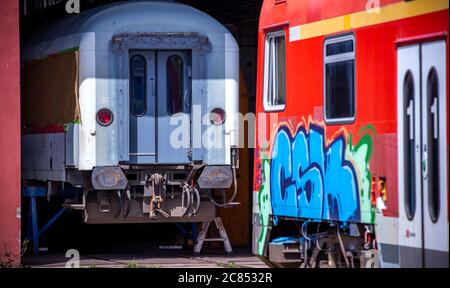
{"type": "Point", "coordinates": [310, 180]}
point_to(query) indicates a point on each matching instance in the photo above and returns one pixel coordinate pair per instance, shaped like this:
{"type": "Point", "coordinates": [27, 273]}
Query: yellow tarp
{"type": "Point", "coordinates": [50, 90]}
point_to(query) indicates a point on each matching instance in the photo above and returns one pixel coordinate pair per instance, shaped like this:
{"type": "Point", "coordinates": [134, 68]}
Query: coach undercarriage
{"type": "Point", "coordinates": [150, 194]}
{"type": "Point", "coordinates": [321, 245]}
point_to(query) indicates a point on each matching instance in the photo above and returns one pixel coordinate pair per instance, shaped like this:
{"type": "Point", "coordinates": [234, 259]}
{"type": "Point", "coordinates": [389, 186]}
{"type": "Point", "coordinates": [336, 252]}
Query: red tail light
{"type": "Point", "coordinates": [105, 117]}
{"type": "Point", "coordinates": [217, 116]}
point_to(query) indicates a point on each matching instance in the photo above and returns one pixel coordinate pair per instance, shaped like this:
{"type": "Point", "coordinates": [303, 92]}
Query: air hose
{"type": "Point", "coordinates": [187, 194]}
{"type": "Point", "coordinates": [118, 204]}
{"type": "Point", "coordinates": [128, 201]}
{"type": "Point", "coordinates": [227, 204]}
{"type": "Point", "coordinates": [196, 195]}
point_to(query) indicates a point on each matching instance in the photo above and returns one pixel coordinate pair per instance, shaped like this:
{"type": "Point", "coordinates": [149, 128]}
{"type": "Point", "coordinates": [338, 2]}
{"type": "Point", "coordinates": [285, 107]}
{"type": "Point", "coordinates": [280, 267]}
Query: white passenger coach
{"type": "Point", "coordinates": [129, 112]}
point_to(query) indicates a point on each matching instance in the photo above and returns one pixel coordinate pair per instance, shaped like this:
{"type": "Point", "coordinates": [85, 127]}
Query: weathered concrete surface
{"type": "Point", "coordinates": [9, 133]}
{"type": "Point", "coordinates": [145, 257]}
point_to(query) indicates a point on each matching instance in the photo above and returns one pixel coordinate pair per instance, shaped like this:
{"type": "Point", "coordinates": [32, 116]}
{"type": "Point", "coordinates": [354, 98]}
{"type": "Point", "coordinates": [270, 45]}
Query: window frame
{"type": "Point", "coordinates": [267, 106]}
{"type": "Point", "coordinates": [337, 59]}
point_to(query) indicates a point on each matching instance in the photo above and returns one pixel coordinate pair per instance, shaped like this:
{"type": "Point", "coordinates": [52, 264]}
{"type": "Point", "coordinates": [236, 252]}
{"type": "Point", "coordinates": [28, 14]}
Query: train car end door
{"type": "Point", "coordinates": [422, 155]}
{"type": "Point", "coordinates": [174, 107]}
{"type": "Point", "coordinates": [142, 102]}
{"type": "Point", "coordinates": [434, 154]}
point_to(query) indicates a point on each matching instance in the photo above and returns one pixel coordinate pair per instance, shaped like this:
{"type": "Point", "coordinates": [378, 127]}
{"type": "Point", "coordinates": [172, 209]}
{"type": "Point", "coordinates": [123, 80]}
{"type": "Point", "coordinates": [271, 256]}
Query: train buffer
{"type": "Point", "coordinates": [222, 232]}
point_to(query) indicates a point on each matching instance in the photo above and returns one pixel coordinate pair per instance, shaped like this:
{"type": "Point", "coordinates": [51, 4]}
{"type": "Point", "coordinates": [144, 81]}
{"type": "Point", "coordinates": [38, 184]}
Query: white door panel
{"type": "Point", "coordinates": [410, 222]}
{"type": "Point", "coordinates": [174, 107]}
{"type": "Point", "coordinates": [434, 148]}
{"type": "Point", "coordinates": [422, 155]}
{"type": "Point", "coordinates": [142, 101]}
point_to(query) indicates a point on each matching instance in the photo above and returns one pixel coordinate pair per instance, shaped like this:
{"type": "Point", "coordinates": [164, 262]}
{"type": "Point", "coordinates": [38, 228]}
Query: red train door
{"type": "Point", "coordinates": [422, 148]}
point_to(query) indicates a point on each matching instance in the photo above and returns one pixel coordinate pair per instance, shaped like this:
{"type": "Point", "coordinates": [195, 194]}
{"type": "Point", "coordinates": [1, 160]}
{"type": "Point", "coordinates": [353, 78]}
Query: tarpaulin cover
{"type": "Point", "coordinates": [50, 90]}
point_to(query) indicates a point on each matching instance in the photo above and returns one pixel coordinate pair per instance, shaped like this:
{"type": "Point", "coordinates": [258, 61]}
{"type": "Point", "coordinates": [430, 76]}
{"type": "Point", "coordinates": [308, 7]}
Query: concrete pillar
{"type": "Point", "coordinates": [9, 133]}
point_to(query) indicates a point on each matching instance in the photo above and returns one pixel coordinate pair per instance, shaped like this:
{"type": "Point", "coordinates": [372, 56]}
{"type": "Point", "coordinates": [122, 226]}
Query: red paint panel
{"type": "Point", "coordinates": [332, 8]}
{"type": "Point", "coordinates": [306, 11]}
{"type": "Point", "coordinates": [9, 132]}
{"type": "Point", "coordinates": [55, 128]}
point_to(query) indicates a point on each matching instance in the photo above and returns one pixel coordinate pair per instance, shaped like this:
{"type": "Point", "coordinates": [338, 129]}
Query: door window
{"type": "Point", "coordinates": [175, 80]}
{"type": "Point", "coordinates": [138, 85]}
{"type": "Point", "coordinates": [409, 151]}
{"type": "Point", "coordinates": [433, 144]}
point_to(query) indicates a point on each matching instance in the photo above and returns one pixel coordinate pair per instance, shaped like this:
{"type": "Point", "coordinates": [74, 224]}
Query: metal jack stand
{"type": "Point", "coordinates": [33, 231]}
{"type": "Point", "coordinates": [223, 236]}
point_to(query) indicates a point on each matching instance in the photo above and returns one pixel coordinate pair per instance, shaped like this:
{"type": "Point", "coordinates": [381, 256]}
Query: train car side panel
{"type": "Point", "coordinates": [308, 168]}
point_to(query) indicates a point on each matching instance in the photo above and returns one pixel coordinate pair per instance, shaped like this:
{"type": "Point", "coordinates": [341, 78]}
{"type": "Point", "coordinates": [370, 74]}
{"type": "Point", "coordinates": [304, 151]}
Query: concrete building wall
{"type": "Point", "coordinates": [9, 133]}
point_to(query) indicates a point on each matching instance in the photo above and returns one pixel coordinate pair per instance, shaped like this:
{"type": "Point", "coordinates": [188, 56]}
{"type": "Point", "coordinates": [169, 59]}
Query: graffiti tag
{"type": "Point", "coordinates": [311, 180]}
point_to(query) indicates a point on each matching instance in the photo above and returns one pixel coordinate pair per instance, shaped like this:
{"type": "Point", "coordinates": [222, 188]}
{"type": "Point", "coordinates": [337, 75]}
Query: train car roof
{"type": "Point", "coordinates": [130, 16]}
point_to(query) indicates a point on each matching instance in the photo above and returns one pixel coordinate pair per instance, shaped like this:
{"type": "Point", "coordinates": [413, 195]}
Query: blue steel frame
{"type": "Point", "coordinates": [33, 230]}
{"type": "Point", "coordinates": [192, 234]}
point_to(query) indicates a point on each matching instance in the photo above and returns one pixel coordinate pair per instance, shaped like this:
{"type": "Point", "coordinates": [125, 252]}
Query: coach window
{"type": "Point", "coordinates": [275, 72]}
{"type": "Point", "coordinates": [174, 70]}
{"type": "Point", "coordinates": [339, 82]}
{"type": "Point", "coordinates": [138, 85]}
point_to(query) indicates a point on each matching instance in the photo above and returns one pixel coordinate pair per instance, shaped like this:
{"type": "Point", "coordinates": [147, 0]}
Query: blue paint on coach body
{"type": "Point", "coordinates": [310, 180]}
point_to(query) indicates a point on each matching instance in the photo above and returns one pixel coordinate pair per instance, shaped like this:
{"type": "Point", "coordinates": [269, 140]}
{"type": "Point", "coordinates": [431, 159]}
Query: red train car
{"type": "Point", "coordinates": [351, 159]}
